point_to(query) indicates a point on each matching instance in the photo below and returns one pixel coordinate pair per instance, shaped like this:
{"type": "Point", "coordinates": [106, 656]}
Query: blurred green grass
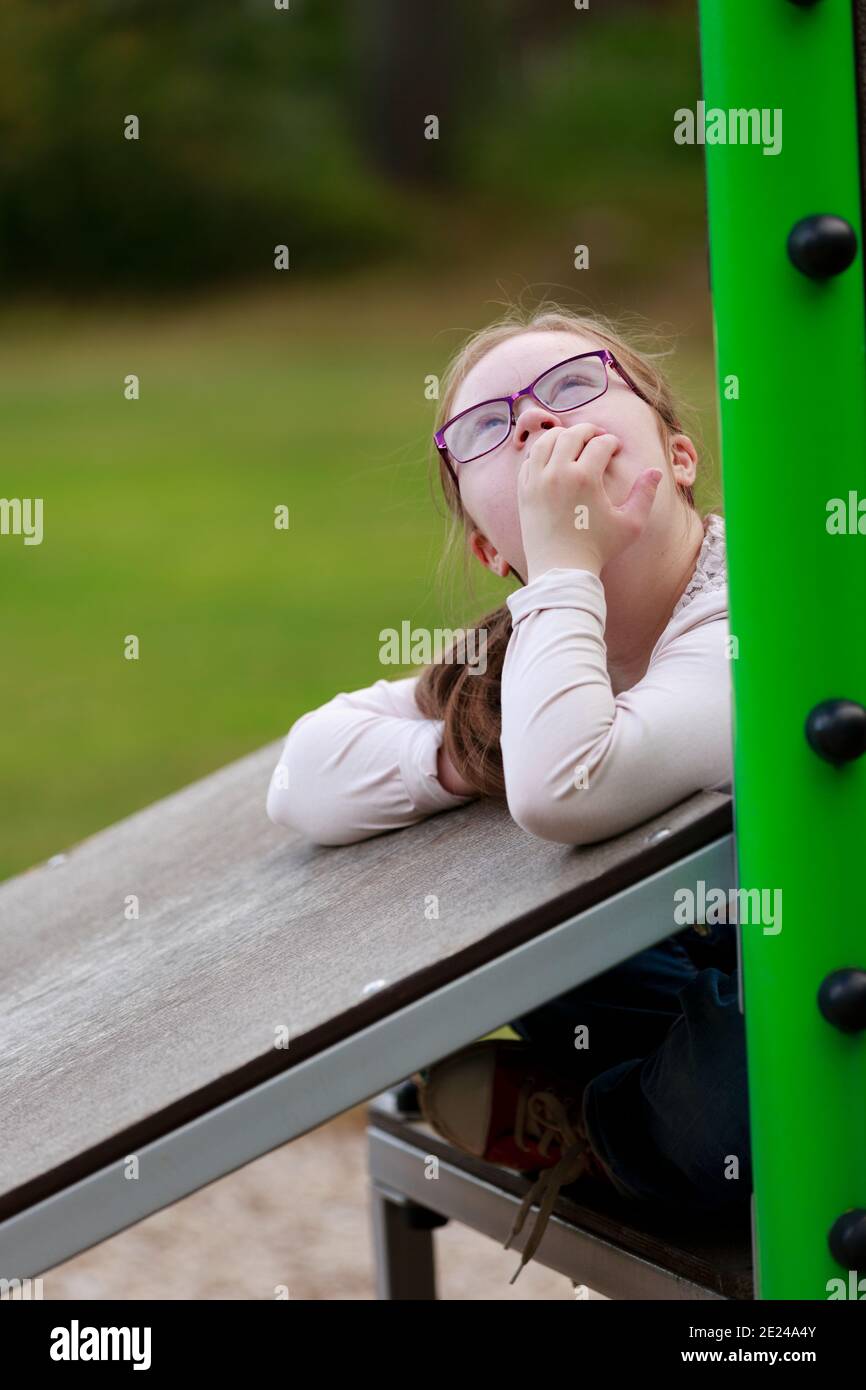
{"type": "Point", "coordinates": [159, 522]}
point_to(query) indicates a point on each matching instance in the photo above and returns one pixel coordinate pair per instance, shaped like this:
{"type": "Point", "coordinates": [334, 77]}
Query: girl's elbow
{"type": "Point", "coordinates": [550, 818]}
{"type": "Point", "coordinates": [299, 812]}
{"type": "Point", "coordinates": [298, 797]}
{"type": "Point", "coordinates": [279, 805]}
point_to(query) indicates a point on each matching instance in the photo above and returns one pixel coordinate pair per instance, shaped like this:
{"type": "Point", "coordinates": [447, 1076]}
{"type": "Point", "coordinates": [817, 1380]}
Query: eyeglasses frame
{"type": "Point", "coordinates": [607, 358]}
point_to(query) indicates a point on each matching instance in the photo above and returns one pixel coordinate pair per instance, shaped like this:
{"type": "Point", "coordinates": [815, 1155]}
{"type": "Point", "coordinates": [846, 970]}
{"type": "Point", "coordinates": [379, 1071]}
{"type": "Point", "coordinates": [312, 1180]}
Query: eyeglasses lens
{"type": "Point", "coordinates": [478, 431]}
{"type": "Point", "coordinates": [572, 383]}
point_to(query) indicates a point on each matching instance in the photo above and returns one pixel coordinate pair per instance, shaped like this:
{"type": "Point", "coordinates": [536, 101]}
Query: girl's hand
{"type": "Point", "coordinates": [449, 777]}
{"type": "Point", "coordinates": [563, 471]}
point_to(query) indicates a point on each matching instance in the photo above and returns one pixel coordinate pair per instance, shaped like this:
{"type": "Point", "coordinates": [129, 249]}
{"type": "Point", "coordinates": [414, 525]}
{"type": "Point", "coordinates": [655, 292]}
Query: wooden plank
{"type": "Point", "coordinates": [115, 1031]}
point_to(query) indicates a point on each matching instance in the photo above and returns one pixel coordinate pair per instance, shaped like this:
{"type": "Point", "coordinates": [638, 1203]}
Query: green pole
{"type": "Point", "coordinates": [791, 361]}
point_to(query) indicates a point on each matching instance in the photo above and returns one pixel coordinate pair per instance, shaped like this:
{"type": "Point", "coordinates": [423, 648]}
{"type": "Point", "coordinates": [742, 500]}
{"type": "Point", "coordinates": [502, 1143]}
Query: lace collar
{"type": "Point", "coordinates": [710, 570]}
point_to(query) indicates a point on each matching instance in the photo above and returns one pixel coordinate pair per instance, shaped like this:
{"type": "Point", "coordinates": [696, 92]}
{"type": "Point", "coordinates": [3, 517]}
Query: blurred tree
{"type": "Point", "coordinates": [260, 126]}
{"type": "Point", "coordinates": [244, 142]}
{"type": "Point", "coordinates": [410, 62]}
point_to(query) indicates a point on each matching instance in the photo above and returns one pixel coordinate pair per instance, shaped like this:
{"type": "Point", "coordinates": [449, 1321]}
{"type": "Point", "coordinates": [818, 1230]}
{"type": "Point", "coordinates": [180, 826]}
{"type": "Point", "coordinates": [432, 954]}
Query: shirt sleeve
{"type": "Point", "coordinates": [363, 763]}
{"type": "Point", "coordinates": [582, 764]}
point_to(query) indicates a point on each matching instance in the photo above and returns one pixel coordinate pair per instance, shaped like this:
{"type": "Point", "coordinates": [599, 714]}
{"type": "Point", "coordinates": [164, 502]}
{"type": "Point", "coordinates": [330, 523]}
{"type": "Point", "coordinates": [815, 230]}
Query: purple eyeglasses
{"type": "Point", "coordinates": [567, 386]}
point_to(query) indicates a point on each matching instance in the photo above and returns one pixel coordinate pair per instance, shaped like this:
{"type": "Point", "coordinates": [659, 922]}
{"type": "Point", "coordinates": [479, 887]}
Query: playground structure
{"type": "Point", "coordinates": [786, 261]}
{"type": "Point", "coordinates": [269, 985]}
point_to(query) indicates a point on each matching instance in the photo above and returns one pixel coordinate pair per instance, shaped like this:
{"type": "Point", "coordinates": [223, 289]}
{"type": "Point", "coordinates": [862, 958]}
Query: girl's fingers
{"type": "Point", "coordinates": [541, 450]}
{"type": "Point", "coordinates": [558, 446]}
{"type": "Point", "coordinates": [572, 442]}
{"type": "Point", "coordinates": [597, 454]}
{"type": "Point", "coordinates": [638, 505]}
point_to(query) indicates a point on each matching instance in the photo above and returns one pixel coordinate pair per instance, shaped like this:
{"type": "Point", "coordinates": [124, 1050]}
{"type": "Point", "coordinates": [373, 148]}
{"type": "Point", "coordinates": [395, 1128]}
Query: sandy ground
{"type": "Point", "coordinates": [298, 1217]}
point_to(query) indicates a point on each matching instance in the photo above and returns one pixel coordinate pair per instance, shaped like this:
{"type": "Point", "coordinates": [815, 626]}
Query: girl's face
{"type": "Point", "coordinates": [488, 485]}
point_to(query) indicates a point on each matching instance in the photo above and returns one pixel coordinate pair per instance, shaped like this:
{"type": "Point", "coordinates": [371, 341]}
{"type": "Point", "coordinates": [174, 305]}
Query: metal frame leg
{"type": "Point", "coordinates": [403, 1243]}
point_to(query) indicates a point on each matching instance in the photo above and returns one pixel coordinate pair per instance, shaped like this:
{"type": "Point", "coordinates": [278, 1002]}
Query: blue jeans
{"type": "Point", "coordinates": [665, 1104]}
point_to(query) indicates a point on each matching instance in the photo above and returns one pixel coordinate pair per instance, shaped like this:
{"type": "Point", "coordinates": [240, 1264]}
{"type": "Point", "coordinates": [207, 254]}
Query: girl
{"type": "Point", "coordinates": [605, 699]}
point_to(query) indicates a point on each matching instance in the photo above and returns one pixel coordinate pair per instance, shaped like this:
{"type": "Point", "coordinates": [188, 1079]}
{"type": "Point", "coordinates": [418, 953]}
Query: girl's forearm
{"type": "Point", "coordinates": [581, 764]}
{"type": "Point", "coordinates": [362, 764]}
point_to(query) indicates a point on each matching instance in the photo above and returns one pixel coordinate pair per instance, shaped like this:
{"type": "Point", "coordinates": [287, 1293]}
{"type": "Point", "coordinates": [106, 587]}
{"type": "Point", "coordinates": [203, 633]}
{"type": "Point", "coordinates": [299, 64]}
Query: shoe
{"type": "Point", "coordinates": [504, 1102]}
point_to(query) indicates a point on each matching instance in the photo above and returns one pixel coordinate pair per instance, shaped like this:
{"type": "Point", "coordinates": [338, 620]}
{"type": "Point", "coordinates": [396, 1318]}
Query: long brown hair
{"type": "Point", "coordinates": [467, 700]}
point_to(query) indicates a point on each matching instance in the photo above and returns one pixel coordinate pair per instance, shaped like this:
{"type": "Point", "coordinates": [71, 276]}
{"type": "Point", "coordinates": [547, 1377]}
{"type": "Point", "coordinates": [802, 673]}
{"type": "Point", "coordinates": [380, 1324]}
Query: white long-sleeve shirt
{"type": "Point", "coordinates": [581, 764]}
